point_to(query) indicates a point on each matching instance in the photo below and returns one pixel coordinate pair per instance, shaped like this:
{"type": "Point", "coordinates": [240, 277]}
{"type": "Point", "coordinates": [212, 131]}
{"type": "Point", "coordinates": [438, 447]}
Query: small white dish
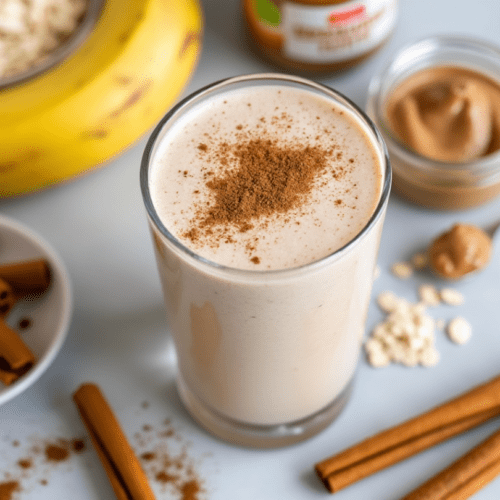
{"type": "Point", "coordinates": [49, 314]}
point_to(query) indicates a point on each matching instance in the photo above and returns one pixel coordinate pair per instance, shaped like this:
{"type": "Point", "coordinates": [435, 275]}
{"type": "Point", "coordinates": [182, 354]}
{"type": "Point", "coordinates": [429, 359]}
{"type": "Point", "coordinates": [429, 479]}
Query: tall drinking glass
{"type": "Point", "coordinates": [267, 338]}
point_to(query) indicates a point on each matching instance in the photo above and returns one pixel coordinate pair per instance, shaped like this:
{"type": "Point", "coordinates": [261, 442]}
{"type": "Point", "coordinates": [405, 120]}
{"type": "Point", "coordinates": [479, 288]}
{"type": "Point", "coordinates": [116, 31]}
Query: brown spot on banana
{"type": "Point", "coordinates": [101, 132]}
{"type": "Point", "coordinates": [80, 83]}
{"type": "Point", "coordinates": [125, 36]}
{"type": "Point", "coordinates": [23, 158]}
{"type": "Point", "coordinates": [191, 37]}
{"type": "Point", "coordinates": [97, 133]}
{"type": "Point", "coordinates": [122, 39]}
{"type": "Point", "coordinates": [8, 166]}
{"type": "Point", "coordinates": [134, 97]}
{"type": "Point", "coordinates": [123, 80]}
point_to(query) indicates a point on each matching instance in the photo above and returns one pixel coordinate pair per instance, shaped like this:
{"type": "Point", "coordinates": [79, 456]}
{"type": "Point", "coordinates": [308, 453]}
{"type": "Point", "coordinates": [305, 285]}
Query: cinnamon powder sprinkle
{"type": "Point", "coordinates": [190, 490]}
{"type": "Point", "coordinates": [7, 489]}
{"type": "Point", "coordinates": [29, 467]}
{"type": "Point", "coordinates": [165, 460]}
{"type": "Point", "coordinates": [78, 445]}
{"type": "Point", "coordinates": [148, 456]}
{"type": "Point", "coordinates": [25, 463]}
{"type": "Point", "coordinates": [164, 477]}
{"type": "Point", "coordinates": [54, 453]}
{"type": "Point", "coordinates": [262, 179]}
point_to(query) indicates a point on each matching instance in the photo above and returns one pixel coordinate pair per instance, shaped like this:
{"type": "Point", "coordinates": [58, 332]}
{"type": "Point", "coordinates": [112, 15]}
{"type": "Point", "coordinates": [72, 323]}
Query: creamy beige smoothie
{"type": "Point", "coordinates": [266, 205]}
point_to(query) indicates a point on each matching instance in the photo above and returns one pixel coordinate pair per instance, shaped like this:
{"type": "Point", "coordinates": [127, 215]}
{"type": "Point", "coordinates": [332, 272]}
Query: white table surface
{"type": "Point", "coordinates": [118, 336]}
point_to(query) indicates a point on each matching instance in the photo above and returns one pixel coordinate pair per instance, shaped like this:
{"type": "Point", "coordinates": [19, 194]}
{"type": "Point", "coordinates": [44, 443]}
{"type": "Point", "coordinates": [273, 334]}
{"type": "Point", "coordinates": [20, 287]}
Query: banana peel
{"type": "Point", "coordinates": [112, 90]}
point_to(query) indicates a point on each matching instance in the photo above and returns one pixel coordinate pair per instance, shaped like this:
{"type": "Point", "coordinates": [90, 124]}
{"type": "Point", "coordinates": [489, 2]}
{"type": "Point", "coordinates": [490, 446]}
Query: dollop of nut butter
{"type": "Point", "coordinates": [447, 113]}
{"type": "Point", "coordinates": [459, 251]}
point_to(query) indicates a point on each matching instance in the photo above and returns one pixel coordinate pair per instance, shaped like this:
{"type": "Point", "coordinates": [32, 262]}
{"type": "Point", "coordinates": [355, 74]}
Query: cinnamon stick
{"type": "Point", "coordinates": [120, 463]}
{"type": "Point", "coordinates": [26, 277]}
{"type": "Point", "coordinates": [7, 299]}
{"type": "Point", "coordinates": [413, 436]}
{"type": "Point", "coordinates": [8, 375]}
{"type": "Point", "coordinates": [476, 483]}
{"type": "Point", "coordinates": [13, 350]}
{"type": "Point", "coordinates": [464, 477]}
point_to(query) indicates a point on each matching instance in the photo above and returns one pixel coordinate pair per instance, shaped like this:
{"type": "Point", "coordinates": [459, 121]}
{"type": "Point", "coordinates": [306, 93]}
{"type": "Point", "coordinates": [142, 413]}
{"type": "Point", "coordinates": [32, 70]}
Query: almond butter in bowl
{"type": "Point", "coordinates": [438, 107]}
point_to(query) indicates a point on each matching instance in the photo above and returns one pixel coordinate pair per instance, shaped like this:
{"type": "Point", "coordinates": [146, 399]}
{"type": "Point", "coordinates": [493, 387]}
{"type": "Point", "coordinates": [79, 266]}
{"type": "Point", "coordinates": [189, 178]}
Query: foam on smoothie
{"type": "Point", "coordinates": [201, 146]}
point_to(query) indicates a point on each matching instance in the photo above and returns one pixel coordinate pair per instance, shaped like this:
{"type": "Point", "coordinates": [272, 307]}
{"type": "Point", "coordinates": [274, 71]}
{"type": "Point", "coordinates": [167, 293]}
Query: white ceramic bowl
{"type": "Point", "coordinates": [49, 314]}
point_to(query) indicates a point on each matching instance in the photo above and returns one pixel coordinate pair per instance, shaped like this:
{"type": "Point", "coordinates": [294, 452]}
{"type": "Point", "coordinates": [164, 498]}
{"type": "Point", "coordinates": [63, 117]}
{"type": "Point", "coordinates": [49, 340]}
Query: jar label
{"type": "Point", "coordinates": [334, 33]}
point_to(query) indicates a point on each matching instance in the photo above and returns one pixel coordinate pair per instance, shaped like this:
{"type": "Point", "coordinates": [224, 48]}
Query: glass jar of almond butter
{"type": "Point", "coordinates": [437, 105]}
{"type": "Point", "coordinates": [319, 35]}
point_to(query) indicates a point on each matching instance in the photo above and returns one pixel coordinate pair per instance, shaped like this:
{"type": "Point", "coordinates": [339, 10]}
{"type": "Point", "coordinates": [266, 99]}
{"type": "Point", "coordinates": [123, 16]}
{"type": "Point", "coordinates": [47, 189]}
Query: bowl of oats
{"type": "Point", "coordinates": [37, 35]}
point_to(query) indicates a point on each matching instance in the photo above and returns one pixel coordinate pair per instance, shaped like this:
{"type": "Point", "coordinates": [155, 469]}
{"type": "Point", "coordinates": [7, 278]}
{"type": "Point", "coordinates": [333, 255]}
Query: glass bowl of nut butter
{"type": "Point", "coordinates": [437, 104]}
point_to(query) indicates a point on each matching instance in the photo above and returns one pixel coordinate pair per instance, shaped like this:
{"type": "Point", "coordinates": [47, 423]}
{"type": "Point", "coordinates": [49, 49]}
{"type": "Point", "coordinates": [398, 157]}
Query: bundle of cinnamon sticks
{"type": "Point", "coordinates": [17, 281]}
{"type": "Point", "coordinates": [457, 482]}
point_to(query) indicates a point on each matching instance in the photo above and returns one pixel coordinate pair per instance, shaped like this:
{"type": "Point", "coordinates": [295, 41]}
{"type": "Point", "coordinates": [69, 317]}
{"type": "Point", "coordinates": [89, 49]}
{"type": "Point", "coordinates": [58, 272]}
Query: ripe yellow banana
{"type": "Point", "coordinates": [107, 94]}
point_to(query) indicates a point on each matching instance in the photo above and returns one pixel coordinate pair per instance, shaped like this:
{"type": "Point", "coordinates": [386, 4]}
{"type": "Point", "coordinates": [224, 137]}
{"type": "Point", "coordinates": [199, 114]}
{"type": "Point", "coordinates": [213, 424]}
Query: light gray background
{"type": "Point", "coordinates": [118, 334]}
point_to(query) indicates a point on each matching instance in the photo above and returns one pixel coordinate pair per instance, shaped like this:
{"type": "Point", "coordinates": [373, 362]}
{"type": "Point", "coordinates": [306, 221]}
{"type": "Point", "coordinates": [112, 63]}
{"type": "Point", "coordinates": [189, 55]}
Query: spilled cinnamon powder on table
{"type": "Point", "coordinates": [163, 453]}
{"type": "Point", "coordinates": [190, 490]}
{"type": "Point", "coordinates": [7, 489]}
{"type": "Point", "coordinates": [54, 453]}
{"type": "Point", "coordinates": [34, 464]}
{"type": "Point", "coordinates": [164, 457]}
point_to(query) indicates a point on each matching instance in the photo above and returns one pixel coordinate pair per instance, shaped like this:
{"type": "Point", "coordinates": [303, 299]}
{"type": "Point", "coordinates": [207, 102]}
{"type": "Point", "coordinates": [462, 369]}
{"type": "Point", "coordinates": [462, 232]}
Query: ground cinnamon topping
{"type": "Point", "coordinates": [261, 178]}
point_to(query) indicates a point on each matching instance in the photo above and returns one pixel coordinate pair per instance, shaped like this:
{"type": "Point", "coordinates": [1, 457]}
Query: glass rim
{"type": "Point", "coordinates": [54, 59]}
{"type": "Point", "coordinates": [249, 78]}
{"type": "Point", "coordinates": [434, 44]}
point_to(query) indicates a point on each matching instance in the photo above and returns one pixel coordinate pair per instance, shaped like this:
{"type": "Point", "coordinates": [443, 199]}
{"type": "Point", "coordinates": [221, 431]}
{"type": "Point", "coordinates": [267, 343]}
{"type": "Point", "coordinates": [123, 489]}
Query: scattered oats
{"type": "Point", "coordinates": [429, 295]}
{"type": "Point", "coordinates": [377, 356]}
{"type": "Point", "coordinates": [419, 260]}
{"type": "Point", "coordinates": [459, 330]}
{"type": "Point", "coordinates": [440, 324]}
{"type": "Point", "coordinates": [376, 272]}
{"type": "Point", "coordinates": [402, 270]}
{"type": "Point", "coordinates": [387, 301]}
{"type": "Point", "coordinates": [406, 336]}
{"type": "Point", "coordinates": [419, 307]}
{"type": "Point", "coordinates": [430, 357]}
{"type": "Point", "coordinates": [452, 297]}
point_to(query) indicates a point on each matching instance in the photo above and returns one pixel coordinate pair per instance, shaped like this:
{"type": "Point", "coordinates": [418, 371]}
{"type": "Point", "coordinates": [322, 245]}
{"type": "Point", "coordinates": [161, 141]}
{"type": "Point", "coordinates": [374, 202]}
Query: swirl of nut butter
{"type": "Point", "coordinates": [450, 114]}
{"type": "Point", "coordinates": [461, 250]}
